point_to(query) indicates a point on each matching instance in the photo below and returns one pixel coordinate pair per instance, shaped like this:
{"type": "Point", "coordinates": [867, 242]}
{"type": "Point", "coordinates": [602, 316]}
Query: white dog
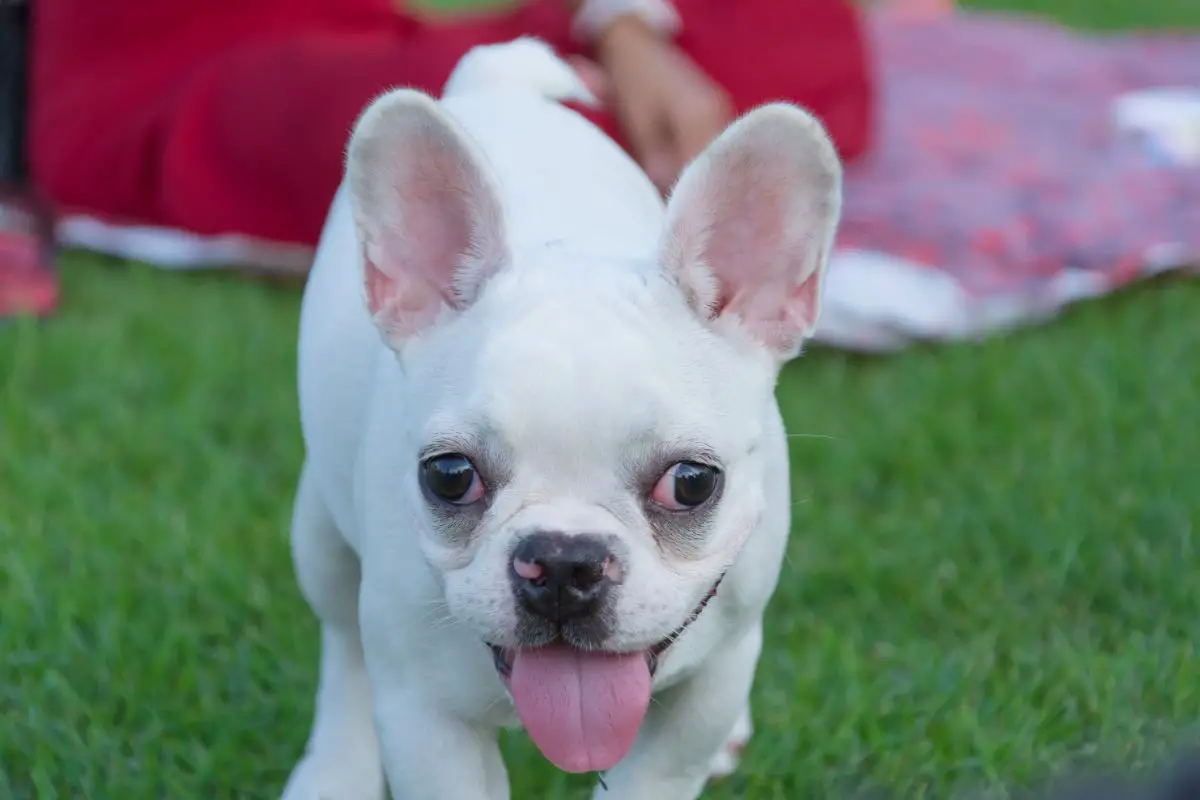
{"type": "Point", "coordinates": [547, 437]}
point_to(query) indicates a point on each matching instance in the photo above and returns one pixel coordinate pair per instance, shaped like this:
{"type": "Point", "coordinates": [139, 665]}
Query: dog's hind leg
{"type": "Point", "coordinates": [726, 761]}
{"type": "Point", "coordinates": [341, 761]}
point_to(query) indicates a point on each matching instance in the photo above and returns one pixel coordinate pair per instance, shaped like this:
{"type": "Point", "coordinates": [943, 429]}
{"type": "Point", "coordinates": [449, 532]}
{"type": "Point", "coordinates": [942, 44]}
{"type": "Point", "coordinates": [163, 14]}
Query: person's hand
{"type": "Point", "coordinates": [667, 106]}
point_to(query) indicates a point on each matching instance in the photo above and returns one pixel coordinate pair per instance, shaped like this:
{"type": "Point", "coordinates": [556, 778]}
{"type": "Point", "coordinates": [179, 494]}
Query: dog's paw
{"type": "Point", "coordinates": [726, 761]}
{"type": "Point", "coordinates": [317, 779]}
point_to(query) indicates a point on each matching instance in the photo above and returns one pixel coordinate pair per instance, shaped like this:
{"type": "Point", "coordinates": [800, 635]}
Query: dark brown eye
{"type": "Point", "coordinates": [686, 485]}
{"type": "Point", "coordinates": [452, 478]}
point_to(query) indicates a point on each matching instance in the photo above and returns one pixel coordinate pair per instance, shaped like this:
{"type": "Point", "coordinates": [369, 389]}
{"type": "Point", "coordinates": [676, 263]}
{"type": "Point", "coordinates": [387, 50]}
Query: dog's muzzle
{"type": "Point", "coordinates": [502, 657]}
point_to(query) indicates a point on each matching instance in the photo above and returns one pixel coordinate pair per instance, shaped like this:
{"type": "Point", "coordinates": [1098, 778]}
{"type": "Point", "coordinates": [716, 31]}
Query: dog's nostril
{"type": "Point", "coordinates": [584, 576]}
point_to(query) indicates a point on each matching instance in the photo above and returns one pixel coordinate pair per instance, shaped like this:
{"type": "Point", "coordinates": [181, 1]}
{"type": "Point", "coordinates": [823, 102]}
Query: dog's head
{"type": "Point", "coordinates": [586, 440]}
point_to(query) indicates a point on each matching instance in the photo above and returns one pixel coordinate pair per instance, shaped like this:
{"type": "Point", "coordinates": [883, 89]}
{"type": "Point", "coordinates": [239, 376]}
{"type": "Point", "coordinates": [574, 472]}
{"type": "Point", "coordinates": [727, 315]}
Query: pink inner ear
{"type": "Point", "coordinates": [404, 304]}
{"type": "Point", "coordinates": [755, 246]}
{"type": "Point", "coordinates": [436, 184]}
{"type": "Point", "coordinates": [743, 244]}
{"type": "Point", "coordinates": [749, 224]}
{"type": "Point", "coordinates": [434, 219]}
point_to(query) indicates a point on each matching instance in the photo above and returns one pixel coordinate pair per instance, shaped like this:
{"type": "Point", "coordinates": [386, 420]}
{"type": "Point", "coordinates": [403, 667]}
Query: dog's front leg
{"type": "Point", "coordinates": [429, 754]}
{"type": "Point", "coordinates": [341, 761]}
{"type": "Point", "coordinates": [686, 728]}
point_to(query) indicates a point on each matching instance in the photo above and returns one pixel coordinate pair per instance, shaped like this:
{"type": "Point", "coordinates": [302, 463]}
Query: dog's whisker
{"type": "Point", "coordinates": [434, 611]}
{"type": "Point", "coordinates": [439, 621]}
{"type": "Point", "coordinates": [826, 436]}
{"type": "Point", "coordinates": [445, 623]}
{"type": "Point", "coordinates": [495, 703]}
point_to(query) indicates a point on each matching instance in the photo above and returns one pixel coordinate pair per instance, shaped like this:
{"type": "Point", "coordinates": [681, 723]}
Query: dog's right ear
{"type": "Point", "coordinates": [429, 220]}
{"type": "Point", "coordinates": [750, 226]}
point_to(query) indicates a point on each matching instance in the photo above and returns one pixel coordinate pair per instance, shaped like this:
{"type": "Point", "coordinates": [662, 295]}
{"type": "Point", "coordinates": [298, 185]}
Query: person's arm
{"type": "Point", "coordinates": [668, 108]}
{"type": "Point", "coordinates": [593, 18]}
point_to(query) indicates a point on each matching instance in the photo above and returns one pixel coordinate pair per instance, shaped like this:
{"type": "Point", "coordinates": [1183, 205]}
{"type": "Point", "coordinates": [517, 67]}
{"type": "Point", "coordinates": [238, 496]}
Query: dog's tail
{"type": "Point", "coordinates": [525, 64]}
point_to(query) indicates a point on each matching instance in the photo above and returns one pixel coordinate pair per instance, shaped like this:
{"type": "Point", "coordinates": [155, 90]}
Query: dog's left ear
{"type": "Point", "coordinates": [751, 223]}
{"type": "Point", "coordinates": [428, 214]}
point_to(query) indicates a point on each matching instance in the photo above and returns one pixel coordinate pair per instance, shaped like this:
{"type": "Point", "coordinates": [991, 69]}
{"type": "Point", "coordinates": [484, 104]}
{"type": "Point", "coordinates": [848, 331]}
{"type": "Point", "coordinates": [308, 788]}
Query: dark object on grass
{"type": "Point", "coordinates": [28, 283]}
{"type": "Point", "coordinates": [1182, 782]}
{"type": "Point", "coordinates": [1185, 784]}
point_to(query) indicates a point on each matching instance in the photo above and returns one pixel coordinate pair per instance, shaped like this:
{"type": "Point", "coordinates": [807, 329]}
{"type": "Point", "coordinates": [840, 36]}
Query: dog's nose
{"type": "Point", "coordinates": [562, 577]}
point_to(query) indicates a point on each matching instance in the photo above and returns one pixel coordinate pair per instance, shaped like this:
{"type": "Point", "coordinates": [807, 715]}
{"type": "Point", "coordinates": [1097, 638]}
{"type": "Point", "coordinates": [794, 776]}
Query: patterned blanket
{"type": "Point", "coordinates": [999, 190]}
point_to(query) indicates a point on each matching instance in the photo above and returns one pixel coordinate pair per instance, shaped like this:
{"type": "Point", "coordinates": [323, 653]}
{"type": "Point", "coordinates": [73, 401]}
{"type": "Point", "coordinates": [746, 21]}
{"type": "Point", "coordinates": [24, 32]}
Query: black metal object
{"type": "Point", "coordinates": [14, 89]}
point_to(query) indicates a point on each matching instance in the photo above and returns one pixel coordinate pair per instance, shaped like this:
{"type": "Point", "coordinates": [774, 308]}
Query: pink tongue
{"type": "Point", "coordinates": [582, 709]}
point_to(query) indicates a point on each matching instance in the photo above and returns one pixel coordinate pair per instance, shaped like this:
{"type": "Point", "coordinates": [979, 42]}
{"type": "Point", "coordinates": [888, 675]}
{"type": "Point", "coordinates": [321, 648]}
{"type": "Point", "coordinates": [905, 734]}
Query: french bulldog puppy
{"type": "Point", "coordinates": [546, 480]}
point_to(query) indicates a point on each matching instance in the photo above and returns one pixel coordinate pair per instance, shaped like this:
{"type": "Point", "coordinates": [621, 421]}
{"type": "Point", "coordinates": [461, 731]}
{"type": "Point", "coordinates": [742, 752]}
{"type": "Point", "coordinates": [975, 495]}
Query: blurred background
{"type": "Point", "coordinates": [993, 569]}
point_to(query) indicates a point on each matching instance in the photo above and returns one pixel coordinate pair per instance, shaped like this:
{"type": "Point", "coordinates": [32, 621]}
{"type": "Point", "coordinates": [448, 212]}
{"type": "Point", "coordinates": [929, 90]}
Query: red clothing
{"type": "Point", "coordinates": [231, 116]}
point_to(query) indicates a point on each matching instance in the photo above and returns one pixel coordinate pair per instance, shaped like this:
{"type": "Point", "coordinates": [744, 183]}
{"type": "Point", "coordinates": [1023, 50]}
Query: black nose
{"type": "Point", "coordinates": [562, 577]}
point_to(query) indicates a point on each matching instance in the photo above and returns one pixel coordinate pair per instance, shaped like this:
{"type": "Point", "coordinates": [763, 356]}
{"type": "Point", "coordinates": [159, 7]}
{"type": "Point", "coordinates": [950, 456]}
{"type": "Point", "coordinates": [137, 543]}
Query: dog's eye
{"type": "Point", "coordinates": [685, 485]}
{"type": "Point", "coordinates": [452, 478]}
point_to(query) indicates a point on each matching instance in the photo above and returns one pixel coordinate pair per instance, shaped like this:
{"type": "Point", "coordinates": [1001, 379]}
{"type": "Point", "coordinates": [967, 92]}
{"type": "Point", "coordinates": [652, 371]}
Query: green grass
{"type": "Point", "coordinates": [993, 573]}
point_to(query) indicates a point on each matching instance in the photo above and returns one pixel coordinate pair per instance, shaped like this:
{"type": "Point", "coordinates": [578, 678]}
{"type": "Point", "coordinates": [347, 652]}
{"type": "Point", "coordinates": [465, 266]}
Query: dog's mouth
{"type": "Point", "coordinates": [502, 657]}
{"type": "Point", "coordinates": [583, 708]}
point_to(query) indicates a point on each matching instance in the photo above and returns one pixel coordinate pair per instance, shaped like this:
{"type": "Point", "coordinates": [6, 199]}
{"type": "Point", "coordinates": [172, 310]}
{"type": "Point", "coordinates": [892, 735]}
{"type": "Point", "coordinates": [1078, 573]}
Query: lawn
{"type": "Point", "coordinates": [993, 575]}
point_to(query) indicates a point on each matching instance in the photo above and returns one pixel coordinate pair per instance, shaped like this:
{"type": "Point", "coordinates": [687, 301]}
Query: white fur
{"type": "Point", "coordinates": [524, 276]}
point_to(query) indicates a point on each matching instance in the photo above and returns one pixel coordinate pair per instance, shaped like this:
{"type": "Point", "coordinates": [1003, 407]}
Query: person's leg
{"type": "Point", "coordinates": [227, 120]}
{"type": "Point", "coordinates": [244, 132]}
{"type": "Point", "coordinates": [303, 94]}
{"type": "Point", "coordinates": [218, 123]}
{"type": "Point", "coordinates": [811, 52]}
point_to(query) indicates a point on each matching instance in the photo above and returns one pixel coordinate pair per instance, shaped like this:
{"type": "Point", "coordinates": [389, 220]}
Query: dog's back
{"type": "Point", "coordinates": [562, 181]}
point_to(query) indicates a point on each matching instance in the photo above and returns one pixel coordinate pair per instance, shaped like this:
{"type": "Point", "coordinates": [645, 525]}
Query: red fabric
{"type": "Point", "coordinates": [231, 116]}
{"type": "Point", "coordinates": [28, 281]}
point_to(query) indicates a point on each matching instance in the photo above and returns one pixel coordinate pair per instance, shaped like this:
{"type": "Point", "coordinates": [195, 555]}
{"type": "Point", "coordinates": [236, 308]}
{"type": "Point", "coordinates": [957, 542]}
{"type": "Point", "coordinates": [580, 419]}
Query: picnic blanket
{"type": "Point", "coordinates": [998, 191]}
